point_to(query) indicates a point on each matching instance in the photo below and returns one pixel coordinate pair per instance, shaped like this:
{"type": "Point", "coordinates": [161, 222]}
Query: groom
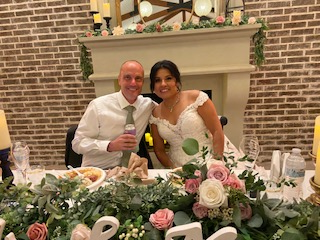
{"type": "Point", "coordinates": [100, 135]}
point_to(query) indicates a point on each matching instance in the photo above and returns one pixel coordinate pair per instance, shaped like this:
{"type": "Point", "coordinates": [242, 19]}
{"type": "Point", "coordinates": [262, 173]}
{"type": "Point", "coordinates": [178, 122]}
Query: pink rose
{"type": "Point", "coordinates": [37, 231]}
{"type": "Point", "coordinates": [220, 19]}
{"type": "Point", "coordinates": [158, 28]}
{"type": "Point", "coordinates": [252, 20]}
{"type": "Point", "coordinates": [199, 175]}
{"type": "Point", "coordinates": [81, 232]}
{"type": "Point", "coordinates": [88, 34]}
{"type": "Point", "coordinates": [162, 219]}
{"type": "Point", "coordinates": [246, 211]}
{"type": "Point", "coordinates": [104, 33]}
{"type": "Point", "coordinates": [234, 182]}
{"type": "Point", "coordinates": [176, 26]}
{"type": "Point", "coordinates": [219, 172]}
{"type": "Point", "coordinates": [199, 210]}
{"type": "Point", "coordinates": [139, 27]}
{"type": "Point", "coordinates": [192, 185]}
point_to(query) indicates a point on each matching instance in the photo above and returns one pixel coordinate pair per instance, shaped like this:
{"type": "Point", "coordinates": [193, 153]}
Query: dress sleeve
{"type": "Point", "coordinates": [201, 99]}
{"type": "Point", "coordinates": [153, 120]}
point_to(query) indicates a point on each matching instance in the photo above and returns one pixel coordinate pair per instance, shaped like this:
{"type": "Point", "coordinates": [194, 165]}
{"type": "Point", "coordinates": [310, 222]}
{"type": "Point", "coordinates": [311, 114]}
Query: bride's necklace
{"type": "Point", "coordinates": [173, 105]}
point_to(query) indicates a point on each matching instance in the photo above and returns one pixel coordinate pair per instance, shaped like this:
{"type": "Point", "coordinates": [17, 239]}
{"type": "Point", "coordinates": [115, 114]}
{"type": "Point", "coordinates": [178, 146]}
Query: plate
{"type": "Point", "coordinates": [93, 177]}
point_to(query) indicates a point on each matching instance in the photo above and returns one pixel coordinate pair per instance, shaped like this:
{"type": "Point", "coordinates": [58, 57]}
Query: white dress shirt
{"type": "Point", "coordinates": [102, 122]}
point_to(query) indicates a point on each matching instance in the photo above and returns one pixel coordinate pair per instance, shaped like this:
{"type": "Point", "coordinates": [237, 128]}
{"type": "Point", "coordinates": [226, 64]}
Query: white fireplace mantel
{"type": "Point", "coordinates": [214, 59]}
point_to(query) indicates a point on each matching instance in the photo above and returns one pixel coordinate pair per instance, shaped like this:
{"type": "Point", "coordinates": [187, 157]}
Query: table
{"type": "Point", "coordinates": [152, 173]}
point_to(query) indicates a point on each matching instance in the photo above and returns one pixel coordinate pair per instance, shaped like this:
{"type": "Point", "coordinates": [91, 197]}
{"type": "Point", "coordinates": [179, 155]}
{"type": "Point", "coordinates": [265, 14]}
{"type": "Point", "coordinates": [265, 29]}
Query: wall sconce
{"type": "Point", "coordinates": [145, 10]}
{"type": "Point", "coordinates": [202, 7]}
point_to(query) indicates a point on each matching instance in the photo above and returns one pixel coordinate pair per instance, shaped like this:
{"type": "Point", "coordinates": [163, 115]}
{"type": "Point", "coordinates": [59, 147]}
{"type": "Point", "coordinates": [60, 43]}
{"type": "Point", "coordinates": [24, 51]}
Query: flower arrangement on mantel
{"type": "Point", "coordinates": [237, 19]}
{"type": "Point", "coordinates": [59, 209]}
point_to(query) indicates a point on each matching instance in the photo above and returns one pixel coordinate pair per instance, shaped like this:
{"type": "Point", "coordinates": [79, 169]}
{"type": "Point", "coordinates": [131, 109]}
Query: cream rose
{"type": "Point", "coordinates": [212, 194]}
{"type": "Point", "coordinates": [81, 232]}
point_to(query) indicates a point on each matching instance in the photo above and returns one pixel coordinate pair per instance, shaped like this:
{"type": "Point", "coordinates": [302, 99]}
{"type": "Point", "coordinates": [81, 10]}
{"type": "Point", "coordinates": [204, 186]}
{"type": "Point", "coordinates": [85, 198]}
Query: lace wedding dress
{"type": "Point", "coordinates": [189, 125]}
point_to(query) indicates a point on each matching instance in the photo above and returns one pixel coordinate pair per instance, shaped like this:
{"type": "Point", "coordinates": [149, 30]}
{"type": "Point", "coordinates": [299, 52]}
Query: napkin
{"type": "Point", "coordinates": [275, 170]}
{"type": "Point", "coordinates": [136, 165]}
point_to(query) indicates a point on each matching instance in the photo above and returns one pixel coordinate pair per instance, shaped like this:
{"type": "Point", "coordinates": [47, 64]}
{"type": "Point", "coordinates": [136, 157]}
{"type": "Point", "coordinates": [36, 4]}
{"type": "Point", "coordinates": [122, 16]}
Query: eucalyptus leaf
{"type": "Point", "coordinates": [181, 218]}
{"type": "Point", "coordinates": [292, 234]}
{"type": "Point", "coordinates": [290, 213]}
{"type": "Point", "coordinates": [136, 202]}
{"type": "Point", "coordinates": [256, 221]}
{"type": "Point", "coordinates": [237, 216]}
{"type": "Point", "coordinates": [190, 146]}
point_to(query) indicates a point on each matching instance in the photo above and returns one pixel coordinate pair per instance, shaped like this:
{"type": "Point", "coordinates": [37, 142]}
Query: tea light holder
{"type": "Point", "coordinates": [314, 198]}
{"type": "Point", "coordinates": [108, 19]}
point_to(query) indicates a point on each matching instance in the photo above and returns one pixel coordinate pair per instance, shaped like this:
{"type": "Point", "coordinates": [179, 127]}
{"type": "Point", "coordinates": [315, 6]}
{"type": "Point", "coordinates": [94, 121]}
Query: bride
{"type": "Point", "coordinates": [181, 115]}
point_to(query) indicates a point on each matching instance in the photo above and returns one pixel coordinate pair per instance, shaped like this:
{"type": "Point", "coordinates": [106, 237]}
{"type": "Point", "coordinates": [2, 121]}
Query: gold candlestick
{"type": "Point", "coordinates": [314, 198]}
{"type": "Point", "coordinates": [313, 157]}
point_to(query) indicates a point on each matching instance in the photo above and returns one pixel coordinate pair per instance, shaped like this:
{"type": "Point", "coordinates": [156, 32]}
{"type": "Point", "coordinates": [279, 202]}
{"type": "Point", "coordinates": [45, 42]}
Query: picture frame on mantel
{"type": "Point", "coordinates": [163, 11]}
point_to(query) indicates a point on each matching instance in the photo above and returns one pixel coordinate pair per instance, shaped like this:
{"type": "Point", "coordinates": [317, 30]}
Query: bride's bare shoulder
{"type": "Point", "coordinates": [191, 95]}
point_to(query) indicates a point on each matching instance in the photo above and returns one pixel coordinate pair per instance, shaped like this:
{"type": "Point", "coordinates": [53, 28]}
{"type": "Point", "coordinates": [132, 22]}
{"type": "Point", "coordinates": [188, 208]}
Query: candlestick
{"type": "Point", "coordinates": [93, 6]}
{"type": "Point", "coordinates": [317, 172]}
{"type": "Point", "coordinates": [106, 10]}
{"type": "Point", "coordinates": [314, 198]}
{"type": "Point", "coordinates": [316, 136]}
{"type": "Point", "coordinates": [107, 21]}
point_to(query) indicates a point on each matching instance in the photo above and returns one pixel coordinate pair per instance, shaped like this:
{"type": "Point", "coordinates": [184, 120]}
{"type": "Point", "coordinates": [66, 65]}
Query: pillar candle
{"type": "Point", "coordinates": [93, 6]}
{"type": "Point", "coordinates": [147, 136]}
{"type": "Point", "coordinates": [97, 18]}
{"type": "Point", "coordinates": [317, 172]}
{"type": "Point", "coordinates": [4, 132]}
{"type": "Point", "coordinates": [150, 141]}
{"type": "Point", "coordinates": [106, 10]}
{"type": "Point", "coordinates": [316, 136]}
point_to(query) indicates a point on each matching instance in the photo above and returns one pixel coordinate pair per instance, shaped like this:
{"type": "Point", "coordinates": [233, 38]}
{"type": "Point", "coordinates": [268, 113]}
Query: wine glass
{"type": "Point", "coordinates": [249, 148]}
{"type": "Point", "coordinates": [20, 156]}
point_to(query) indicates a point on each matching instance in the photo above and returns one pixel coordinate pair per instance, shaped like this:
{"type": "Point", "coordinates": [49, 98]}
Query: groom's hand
{"type": "Point", "coordinates": [123, 142]}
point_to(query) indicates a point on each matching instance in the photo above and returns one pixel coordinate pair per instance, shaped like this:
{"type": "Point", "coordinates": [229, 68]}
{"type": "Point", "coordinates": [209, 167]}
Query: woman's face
{"type": "Point", "coordinates": [165, 84]}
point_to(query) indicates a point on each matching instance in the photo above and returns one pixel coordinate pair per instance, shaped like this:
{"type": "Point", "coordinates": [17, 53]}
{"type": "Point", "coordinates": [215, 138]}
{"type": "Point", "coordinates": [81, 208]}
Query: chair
{"type": "Point", "coordinates": [74, 159]}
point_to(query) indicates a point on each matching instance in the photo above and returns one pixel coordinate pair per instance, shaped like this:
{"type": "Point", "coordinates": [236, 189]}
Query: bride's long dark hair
{"type": "Point", "coordinates": [172, 68]}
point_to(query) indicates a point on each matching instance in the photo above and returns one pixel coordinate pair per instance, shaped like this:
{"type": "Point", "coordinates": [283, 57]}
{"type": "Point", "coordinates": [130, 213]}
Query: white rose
{"type": "Point", "coordinates": [212, 194]}
{"type": "Point", "coordinates": [81, 232]}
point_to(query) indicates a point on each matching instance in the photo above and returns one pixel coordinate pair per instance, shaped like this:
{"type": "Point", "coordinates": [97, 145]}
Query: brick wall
{"type": "Point", "coordinates": [42, 92]}
{"type": "Point", "coordinates": [41, 89]}
{"type": "Point", "coordinates": [285, 92]}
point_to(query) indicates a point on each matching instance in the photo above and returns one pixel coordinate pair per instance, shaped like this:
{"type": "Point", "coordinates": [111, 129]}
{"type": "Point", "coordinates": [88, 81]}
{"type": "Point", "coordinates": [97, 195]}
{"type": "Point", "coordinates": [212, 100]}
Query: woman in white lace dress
{"type": "Point", "coordinates": [181, 115]}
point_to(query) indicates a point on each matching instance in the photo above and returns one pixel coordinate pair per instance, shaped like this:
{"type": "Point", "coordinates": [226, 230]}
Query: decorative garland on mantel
{"type": "Point", "coordinates": [237, 19]}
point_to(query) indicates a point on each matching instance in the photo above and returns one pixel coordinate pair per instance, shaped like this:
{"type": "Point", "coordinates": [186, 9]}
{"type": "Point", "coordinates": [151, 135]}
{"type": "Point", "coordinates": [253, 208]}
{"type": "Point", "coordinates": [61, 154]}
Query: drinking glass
{"type": "Point", "coordinates": [20, 156]}
{"type": "Point", "coordinates": [249, 147]}
{"type": "Point", "coordinates": [36, 173]}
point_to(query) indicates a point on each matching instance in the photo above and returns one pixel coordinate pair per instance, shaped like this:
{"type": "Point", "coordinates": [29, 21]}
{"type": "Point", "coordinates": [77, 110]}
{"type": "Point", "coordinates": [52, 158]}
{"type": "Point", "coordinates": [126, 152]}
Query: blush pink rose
{"type": "Point", "coordinates": [199, 175]}
{"type": "Point", "coordinates": [219, 172]}
{"type": "Point", "coordinates": [234, 182]}
{"type": "Point", "coordinates": [220, 19]}
{"type": "Point", "coordinates": [162, 219]}
{"type": "Point", "coordinates": [246, 211]}
{"type": "Point", "coordinates": [37, 231]}
{"type": "Point", "coordinates": [88, 34]}
{"type": "Point", "coordinates": [139, 27]}
{"type": "Point", "coordinates": [199, 210]}
{"type": "Point", "coordinates": [192, 185]}
{"type": "Point", "coordinates": [104, 33]}
{"type": "Point", "coordinates": [158, 28]}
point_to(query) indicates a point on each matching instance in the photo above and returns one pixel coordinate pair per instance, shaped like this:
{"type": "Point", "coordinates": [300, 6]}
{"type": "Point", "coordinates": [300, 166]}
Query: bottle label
{"type": "Point", "coordinates": [295, 173]}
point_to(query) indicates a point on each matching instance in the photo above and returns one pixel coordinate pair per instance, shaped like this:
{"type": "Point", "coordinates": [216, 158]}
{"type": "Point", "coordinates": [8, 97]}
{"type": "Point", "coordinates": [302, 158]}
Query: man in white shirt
{"type": "Point", "coordinates": [100, 135]}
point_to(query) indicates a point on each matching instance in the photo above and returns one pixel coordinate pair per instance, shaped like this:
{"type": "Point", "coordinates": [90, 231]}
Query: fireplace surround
{"type": "Point", "coordinates": [216, 59]}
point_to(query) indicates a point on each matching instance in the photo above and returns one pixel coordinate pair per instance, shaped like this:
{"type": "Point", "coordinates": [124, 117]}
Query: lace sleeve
{"type": "Point", "coordinates": [201, 99]}
{"type": "Point", "coordinates": [153, 120]}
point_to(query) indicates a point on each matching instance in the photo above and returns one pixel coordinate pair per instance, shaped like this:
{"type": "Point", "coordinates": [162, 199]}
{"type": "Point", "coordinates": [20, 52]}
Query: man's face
{"type": "Point", "coordinates": [131, 80]}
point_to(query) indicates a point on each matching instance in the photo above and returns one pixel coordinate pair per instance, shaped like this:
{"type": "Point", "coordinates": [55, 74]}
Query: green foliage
{"type": "Point", "coordinates": [85, 62]}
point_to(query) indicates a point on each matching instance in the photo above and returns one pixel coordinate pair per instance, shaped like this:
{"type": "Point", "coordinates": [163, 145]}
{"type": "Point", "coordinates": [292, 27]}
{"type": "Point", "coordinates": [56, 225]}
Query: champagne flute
{"type": "Point", "coordinates": [20, 156]}
{"type": "Point", "coordinates": [249, 148]}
